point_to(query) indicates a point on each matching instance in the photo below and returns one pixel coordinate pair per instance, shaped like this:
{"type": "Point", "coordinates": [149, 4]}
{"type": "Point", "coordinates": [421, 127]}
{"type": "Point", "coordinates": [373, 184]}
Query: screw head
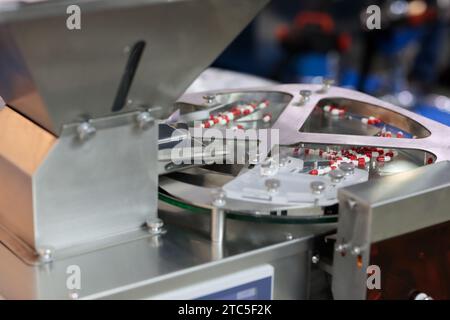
{"type": "Point", "coordinates": [347, 167]}
{"type": "Point", "coordinates": [422, 296]}
{"type": "Point", "coordinates": [45, 255]}
{"type": "Point", "coordinates": [289, 236]}
{"type": "Point", "coordinates": [356, 251]}
{"type": "Point", "coordinates": [317, 187]}
{"type": "Point", "coordinates": [74, 295]}
{"type": "Point", "coordinates": [272, 185]}
{"type": "Point", "coordinates": [209, 98]}
{"type": "Point", "coordinates": [269, 167]}
{"type": "Point", "coordinates": [85, 131]}
{"type": "Point", "coordinates": [144, 119]}
{"type": "Point", "coordinates": [315, 259]}
{"type": "Point", "coordinates": [155, 225]}
{"type": "Point", "coordinates": [336, 175]}
{"type": "Point", "coordinates": [305, 93]}
{"type": "Point", "coordinates": [305, 96]}
{"type": "Point", "coordinates": [327, 83]}
{"type": "Point", "coordinates": [341, 248]}
{"type": "Point", "coordinates": [219, 197]}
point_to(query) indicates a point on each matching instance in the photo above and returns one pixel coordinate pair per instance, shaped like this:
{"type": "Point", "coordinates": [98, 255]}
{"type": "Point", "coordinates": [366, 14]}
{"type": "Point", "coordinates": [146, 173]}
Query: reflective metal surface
{"type": "Point", "coordinates": [294, 116]}
{"type": "Point", "coordinates": [384, 209]}
{"type": "Point", "coordinates": [127, 55]}
{"type": "Point", "coordinates": [297, 114]}
{"type": "Point", "coordinates": [149, 266]}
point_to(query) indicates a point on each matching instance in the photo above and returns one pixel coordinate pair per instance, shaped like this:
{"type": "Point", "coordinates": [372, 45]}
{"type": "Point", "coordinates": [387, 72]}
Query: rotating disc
{"type": "Point", "coordinates": [328, 139]}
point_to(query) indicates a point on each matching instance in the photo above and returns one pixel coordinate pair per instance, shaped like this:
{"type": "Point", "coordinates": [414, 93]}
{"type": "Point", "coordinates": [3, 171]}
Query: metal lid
{"type": "Point", "coordinates": [127, 55]}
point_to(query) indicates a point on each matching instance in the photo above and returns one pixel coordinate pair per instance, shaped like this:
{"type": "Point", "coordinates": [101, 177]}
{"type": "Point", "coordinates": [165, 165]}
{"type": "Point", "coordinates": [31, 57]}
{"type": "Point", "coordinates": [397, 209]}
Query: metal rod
{"type": "Point", "coordinates": [217, 225]}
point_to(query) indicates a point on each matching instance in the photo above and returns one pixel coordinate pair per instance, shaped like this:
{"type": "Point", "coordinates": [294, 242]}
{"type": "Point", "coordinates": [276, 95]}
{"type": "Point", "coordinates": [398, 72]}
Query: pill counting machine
{"type": "Point", "coordinates": [89, 186]}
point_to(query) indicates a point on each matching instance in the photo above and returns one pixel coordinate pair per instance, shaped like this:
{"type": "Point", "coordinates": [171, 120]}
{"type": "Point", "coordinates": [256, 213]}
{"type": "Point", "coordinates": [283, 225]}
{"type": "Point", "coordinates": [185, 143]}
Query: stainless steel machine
{"type": "Point", "coordinates": [112, 186]}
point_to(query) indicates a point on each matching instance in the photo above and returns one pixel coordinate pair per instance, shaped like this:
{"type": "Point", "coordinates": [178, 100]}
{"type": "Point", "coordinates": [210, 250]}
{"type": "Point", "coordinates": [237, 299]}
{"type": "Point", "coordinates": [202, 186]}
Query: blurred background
{"type": "Point", "coordinates": [406, 61]}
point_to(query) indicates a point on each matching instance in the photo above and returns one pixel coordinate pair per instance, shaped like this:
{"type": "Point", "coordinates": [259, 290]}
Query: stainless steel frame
{"type": "Point", "coordinates": [378, 210]}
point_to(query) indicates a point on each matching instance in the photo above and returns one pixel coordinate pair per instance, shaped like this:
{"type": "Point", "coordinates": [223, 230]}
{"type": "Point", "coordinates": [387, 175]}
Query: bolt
{"type": "Point", "coordinates": [315, 259]}
{"type": "Point", "coordinates": [272, 185]}
{"type": "Point", "coordinates": [305, 96]}
{"type": "Point", "coordinates": [144, 119]}
{"type": "Point", "coordinates": [155, 225]}
{"type": "Point", "coordinates": [85, 131]}
{"type": "Point", "coordinates": [356, 251]}
{"type": "Point", "coordinates": [422, 296]}
{"type": "Point", "coordinates": [317, 187]}
{"type": "Point", "coordinates": [219, 196]}
{"type": "Point", "coordinates": [45, 255]}
{"type": "Point", "coordinates": [336, 175]}
{"type": "Point", "coordinates": [341, 248]}
{"type": "Point", "coordinates": [269, 167]}
{"type": "Point", "coordinates": [209, 98]}
{"type": "Point", "coordinates": [74, 295]}
{"type": "Point", "coordinates": [327, 83]}
{"type": "Point", "coordinates": [347, 167]}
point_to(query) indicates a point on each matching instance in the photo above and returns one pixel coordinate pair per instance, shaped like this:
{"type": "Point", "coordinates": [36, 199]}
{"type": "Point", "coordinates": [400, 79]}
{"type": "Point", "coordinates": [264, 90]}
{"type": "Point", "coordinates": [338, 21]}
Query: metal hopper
{"type": "Point", "coordinates": [127, 55]}
{"type": "Point", "coordinates": [59, 186]}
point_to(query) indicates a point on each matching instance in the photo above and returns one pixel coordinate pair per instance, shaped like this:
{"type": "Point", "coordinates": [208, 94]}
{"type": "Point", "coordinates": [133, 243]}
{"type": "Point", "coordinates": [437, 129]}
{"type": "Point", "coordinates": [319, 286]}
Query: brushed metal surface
{"type": "Point", "coordinates": [149, 266]}
{"type": "Point", "coordinates": [67, 192]}
{"type": "Point", "coordinates": [383, 209]}
{"type": "Point", "coordinates": [96, 188]}
{"type": "Point", "coordinates": [54, 75]}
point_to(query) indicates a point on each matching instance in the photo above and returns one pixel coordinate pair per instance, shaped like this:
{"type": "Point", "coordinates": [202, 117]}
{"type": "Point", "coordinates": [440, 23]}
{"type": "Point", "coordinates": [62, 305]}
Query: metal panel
{"type": "Point", "coordinates": [382, 209]}
{"type": "Point", "coordinates": [152, 265]}
{"type": "Point", "coordinates": [87, 190]}
{"type": "Point", "coordinates": [56, 76]}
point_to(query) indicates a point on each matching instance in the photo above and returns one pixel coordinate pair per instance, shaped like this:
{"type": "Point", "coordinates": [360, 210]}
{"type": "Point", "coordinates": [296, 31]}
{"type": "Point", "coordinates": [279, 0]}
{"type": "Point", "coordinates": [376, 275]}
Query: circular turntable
{"type": "Point", "coordinates": [329, 138]}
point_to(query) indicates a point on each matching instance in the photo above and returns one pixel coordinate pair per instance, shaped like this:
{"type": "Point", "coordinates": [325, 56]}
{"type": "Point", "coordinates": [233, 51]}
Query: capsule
{"type": "Point", "coordinates": [327, 108]}
{"type": "Point", "coordinates": [267, 117]}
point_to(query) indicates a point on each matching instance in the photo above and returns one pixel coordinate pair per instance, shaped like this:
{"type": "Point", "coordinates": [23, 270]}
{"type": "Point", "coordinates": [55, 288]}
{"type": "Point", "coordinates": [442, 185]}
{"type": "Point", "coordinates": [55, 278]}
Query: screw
{"type": "Point", "coordinates": [327, 83]}
{"type": "Point", "coordinates": [155, 225]}
{"type": "Point", "coordinates": [85, 131]}
{"type": "Point", "coordinates": [45, 255]}
{"type": "Point", "coordinates": [269, 167]}
{"type": "Point", "coordinates": [422, 296]}
{"type": "Point", "coordinates": [356, 251]}
{"type": "Point", "coordinates": [74, 296]}
{"type": "Point", "coordinates": [317, 187]}
{"type": "Point", "coordinates": [144, 119]}
{"type": "Point", "coordinates": [305, 96]}
{"type": "Point", "coordinates": [315, 259]}
{"type": "Point", "coordinates": [341, 248]}
{"type": "Point", "coordinates": [272, 185]}
{"type": "Point", "coordinates": [209, 98]}
{"type": "Point", "coordinates": [336, 175]}
{"type": "Point", "coordinates": [219, 196]}
{"type": "Point", "coordinates": [347, 167]}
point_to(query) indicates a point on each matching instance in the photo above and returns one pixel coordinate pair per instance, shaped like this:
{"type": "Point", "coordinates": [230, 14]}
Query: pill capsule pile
{"type": "Point", "coordinates": [371, 120]}
{"type": "Point", "coordinates": [359, 156]}
{"type": "Point", "coordinates": [235, 113]}
{"type": "Point", "coordinates": [333, 110]}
